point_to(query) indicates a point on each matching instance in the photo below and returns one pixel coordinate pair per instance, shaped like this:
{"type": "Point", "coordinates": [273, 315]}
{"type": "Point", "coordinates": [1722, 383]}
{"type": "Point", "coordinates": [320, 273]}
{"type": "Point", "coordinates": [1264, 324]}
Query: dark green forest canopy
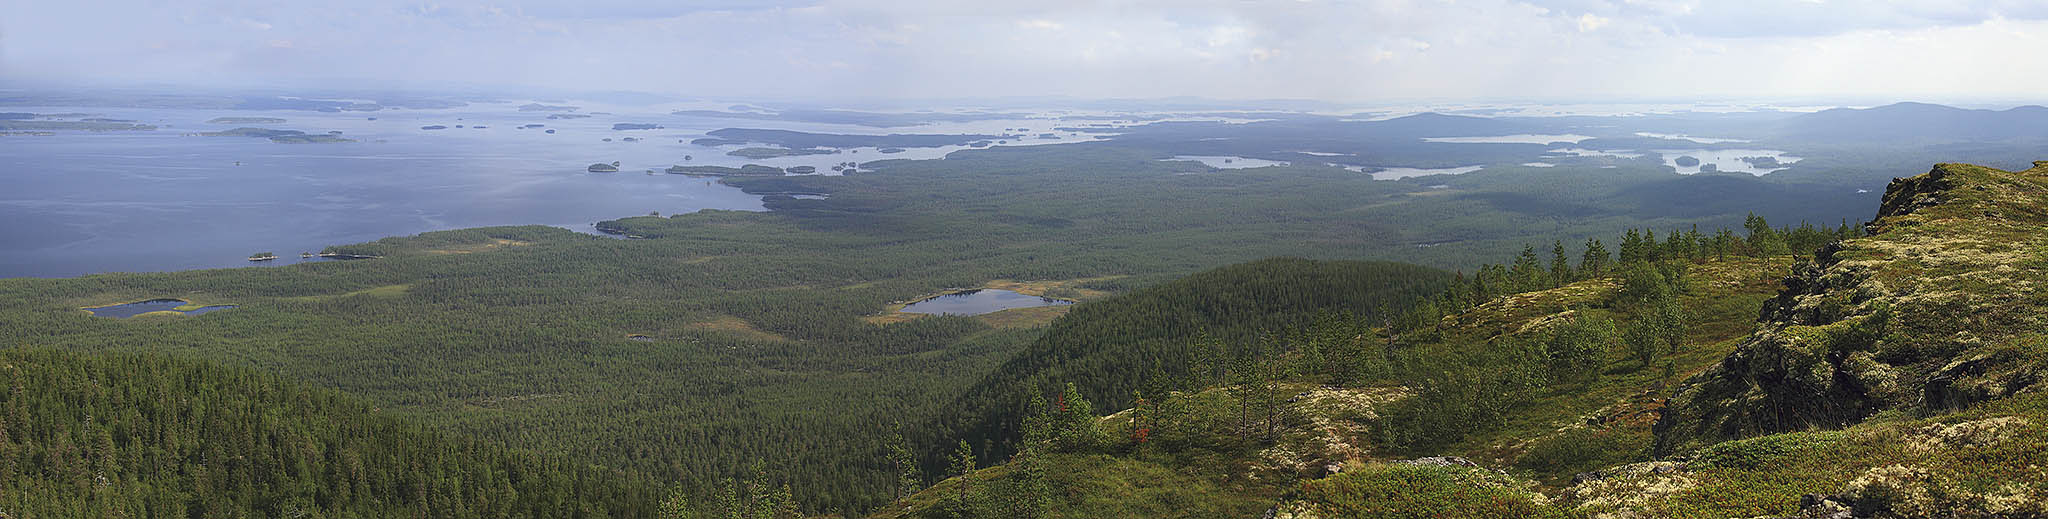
{"type": "Point", "coordinates": [1114, 347]}
{"type": "Point", "coordinates": [759, 352]}
{"type": "Point", "coordinates": [121, 434]}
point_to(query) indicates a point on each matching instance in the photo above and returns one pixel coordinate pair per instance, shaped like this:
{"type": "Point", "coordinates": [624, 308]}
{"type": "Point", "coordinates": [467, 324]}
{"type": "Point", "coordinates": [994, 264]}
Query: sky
{"type": "Point", "coordinates": [1344, 51]}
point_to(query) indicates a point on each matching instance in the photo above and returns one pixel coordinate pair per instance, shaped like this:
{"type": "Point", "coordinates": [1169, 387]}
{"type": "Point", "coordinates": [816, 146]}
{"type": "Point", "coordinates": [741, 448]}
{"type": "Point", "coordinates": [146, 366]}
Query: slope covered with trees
{"type": "Point", "coordinates": [140, 435]}
{"type": "Point", "coordinates": [1320, 414]}
{"type": "Point", "coordinates": [1147, 341]}
{"type": "Point", "coordinates": [1904, 364]}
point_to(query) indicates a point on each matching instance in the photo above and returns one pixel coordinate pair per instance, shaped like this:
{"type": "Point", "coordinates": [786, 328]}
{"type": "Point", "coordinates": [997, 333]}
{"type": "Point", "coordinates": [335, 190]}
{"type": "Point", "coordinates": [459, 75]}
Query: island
{"type": "Point", "coordinates": [278, 136]}
{"type": "Point", "coordinates": [635, 126]}
{"type": "Point", "coordinates": [567, 116]}
{"type": "Point", "coordinates": [1763, 162]}
{"type": "Point", "coordinates": [263, 256]}
{"type": "Point", "coordinates": [1686, 161]}
{"type": "Point", "coordinates": [537, 107]}
{"type": "Point", "coordinates": [890, 150]}
{"type": "Point", "coordinates": [91, 126]}
{"type": "Point", "coordinates": [801, 170]}
{"type": "Point", "coordinates": [769, 153]}
{"type": "Point", "coordinates": [245, 120]}
{"type": "Point", "coordinates": [433, 127]}
{"type": "Point", "coordinates": [750, 170]}
{"type": "Point", "coordinates": [604, 168]}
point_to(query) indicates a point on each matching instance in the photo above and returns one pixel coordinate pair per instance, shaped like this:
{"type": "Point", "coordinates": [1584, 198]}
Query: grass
{"type": "Point", "coordinates": [1422, 492]}
{"type": "Point", "coordinates": [1022, 317]}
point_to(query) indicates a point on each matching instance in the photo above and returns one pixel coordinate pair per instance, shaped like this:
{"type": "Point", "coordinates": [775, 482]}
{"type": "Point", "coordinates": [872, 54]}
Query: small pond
{"type": "Point", "coordinates": [123, 311]}
{"type": "Point", "coordinates": [976, 302]}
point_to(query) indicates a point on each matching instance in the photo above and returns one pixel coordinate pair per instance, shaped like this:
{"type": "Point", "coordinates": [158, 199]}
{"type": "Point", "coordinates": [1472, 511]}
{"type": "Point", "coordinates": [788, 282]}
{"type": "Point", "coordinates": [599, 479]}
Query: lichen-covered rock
{"type": "Point", "coordinates": [1903, 491]}
{"type": "Point", "coordinates": [1940, 307]}
{"type": "Point", "coordinates": [1619, 492]}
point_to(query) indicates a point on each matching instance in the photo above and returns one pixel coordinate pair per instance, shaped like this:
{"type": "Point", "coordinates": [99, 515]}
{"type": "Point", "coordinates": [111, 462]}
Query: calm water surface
{"type": "Point", "coordinates": [124, 311]}
{"type": "Point", "coordinates": [976, 302]}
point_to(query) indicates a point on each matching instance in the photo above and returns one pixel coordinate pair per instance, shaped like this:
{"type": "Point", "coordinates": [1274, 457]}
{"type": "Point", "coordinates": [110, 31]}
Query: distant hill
{"type": "Point", "coordinates": [1919, 122]}
{"type": "Point", "coordinates": [1439, 125]}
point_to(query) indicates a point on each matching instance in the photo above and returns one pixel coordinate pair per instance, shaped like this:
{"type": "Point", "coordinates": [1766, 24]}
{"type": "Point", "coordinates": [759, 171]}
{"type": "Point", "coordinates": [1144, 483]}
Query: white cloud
{"type": "Point", "coordinates": [1358, 50]}
{"type": "Point", "coordinates": [1590, 22]}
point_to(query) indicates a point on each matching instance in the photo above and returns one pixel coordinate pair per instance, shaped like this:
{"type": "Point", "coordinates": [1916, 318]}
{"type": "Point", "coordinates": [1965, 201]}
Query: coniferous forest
{"type": "Point", "coordinates": [777, 260]}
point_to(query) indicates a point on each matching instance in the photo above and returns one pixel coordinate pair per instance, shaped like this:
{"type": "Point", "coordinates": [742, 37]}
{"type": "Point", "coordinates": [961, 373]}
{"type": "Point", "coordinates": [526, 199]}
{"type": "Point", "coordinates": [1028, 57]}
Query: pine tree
{"type": "Point", "coordinates": [1074, 420]}
{"type": "Point", "coordinates": [1527, 273]}
{"type": "Point", "coordinates": [1594, 262]}
{"type": "Point", "coordinates": [676, 505]}
{"type": "Point", "coordinates": [963, 504]}
{"type": "Point", "coordinates": [908, 477]}
{"type": "Point", "coordinates": [1560, 266]}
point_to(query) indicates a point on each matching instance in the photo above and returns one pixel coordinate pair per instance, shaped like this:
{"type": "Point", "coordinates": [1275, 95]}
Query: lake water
{"type": "Point", "coordinates": [1401, 173]}
{"type": "Point", "coordinates": [83, 202]}
{"type": "Point", "coordinates": [1525, 138]}
{"type": "Point", "coordinates": [1727, 160]}
{"type": "Point", "coordinates": [124, 311]}
{"type": "Point", "coordinates": [1582, 152]}
{"type": "Point", "coordinates": [976, 302]}
{"type": "Point", "coordinates": [1683, 137]}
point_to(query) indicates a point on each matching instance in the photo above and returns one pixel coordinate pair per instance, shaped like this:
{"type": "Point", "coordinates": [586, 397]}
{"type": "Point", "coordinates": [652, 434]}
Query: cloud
{"type": "Point", "coordinates": [1590, 22]}
{"type": "Point", "coordinates": [1356, 50]}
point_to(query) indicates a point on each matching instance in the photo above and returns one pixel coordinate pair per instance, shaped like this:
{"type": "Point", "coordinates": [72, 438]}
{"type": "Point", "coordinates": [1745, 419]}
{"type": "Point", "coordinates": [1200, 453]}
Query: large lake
{"type": "Point", "coordinates": [80, 202]}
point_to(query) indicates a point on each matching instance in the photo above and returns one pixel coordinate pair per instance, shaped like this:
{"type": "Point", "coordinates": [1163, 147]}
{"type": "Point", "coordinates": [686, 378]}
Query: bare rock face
{"type": "Point", "coordinates": [1905, 195]}
{"type": "Point", "coordinates": [1933, 310]}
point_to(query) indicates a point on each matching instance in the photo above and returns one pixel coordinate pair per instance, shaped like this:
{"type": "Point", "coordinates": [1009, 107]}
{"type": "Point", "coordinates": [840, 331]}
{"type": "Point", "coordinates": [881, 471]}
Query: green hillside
{"type": "Point", "coordinates": [1904, 365]}
{"type": "Point", "coordinates": [1142, 342]}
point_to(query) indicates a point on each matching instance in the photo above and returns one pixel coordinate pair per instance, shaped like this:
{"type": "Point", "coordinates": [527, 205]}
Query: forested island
{"type": "Point", "coordinates": [769, 153]}
{"type": "Point", "coordinates": [279, 136]}
{"type": "Point", "coordinates": [723, 171]}
{"type": "Point", "coordinates": [245, 120]}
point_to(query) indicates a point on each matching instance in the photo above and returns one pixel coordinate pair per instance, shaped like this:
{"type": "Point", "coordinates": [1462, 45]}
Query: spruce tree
{"type": "Point", "coordinates": [1560, 267]}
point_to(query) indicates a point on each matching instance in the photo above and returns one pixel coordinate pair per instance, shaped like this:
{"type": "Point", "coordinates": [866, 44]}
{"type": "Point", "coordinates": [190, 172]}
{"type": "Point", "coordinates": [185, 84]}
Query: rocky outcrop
{"type": "Point", "coordinates": [1934, 309]}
